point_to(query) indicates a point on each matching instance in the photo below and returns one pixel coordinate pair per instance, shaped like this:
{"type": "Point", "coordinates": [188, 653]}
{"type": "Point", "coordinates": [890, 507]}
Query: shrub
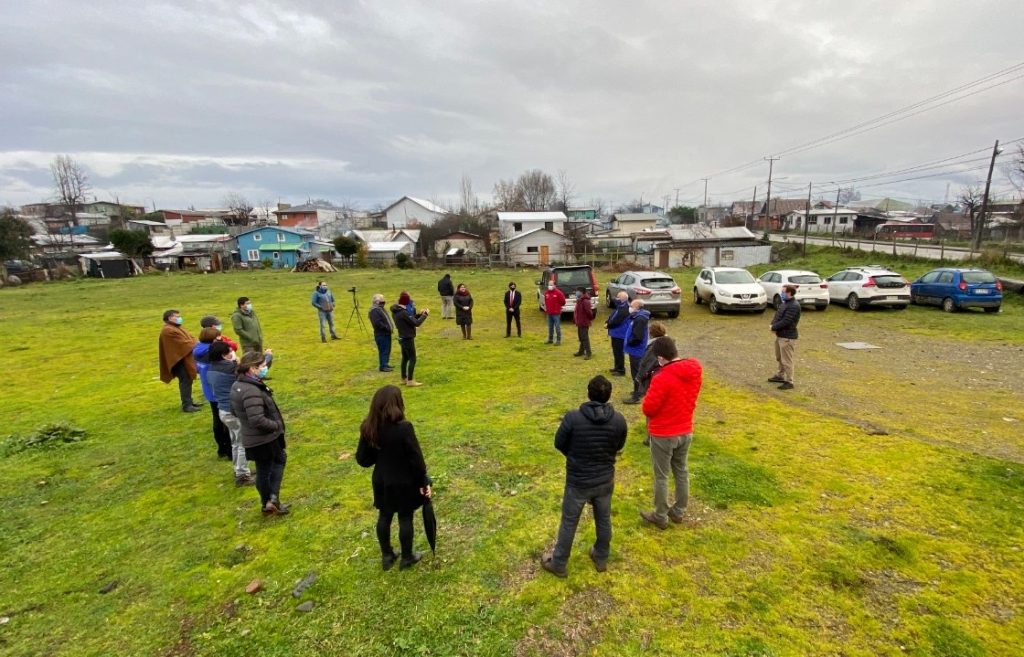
{"type": "Point", "coordinates": [45, 437]}
{"type": "Point", "coordinates": [404, 262]}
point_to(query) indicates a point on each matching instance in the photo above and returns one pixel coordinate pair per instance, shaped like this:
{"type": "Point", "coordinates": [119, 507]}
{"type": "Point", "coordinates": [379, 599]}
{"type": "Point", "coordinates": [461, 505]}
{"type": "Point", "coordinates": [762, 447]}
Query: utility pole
{"type": "Point", "coordinates": [768, 199]}
{"type": "Point", "coordinates": [835, 215]}
{"type": "Point", "coordinates": [984, 200]}
{"type": "Point", "coordinates": [807, 218]}
{"type": "Point", "coordinates": [677, 197]}
{"type": "Point", "coordinates": [665, 209]}
{"type": "Point", "coordinates": [753, 209]}
{"type": "Point", "coordinates": [706, 200]}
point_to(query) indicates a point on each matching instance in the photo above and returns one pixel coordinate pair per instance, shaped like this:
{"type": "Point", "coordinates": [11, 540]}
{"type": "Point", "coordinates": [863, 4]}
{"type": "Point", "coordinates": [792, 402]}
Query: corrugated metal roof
{"type": "Point", "coordinates": [532, 216]}
{"type": "Point", "coordinates": [385, 247]}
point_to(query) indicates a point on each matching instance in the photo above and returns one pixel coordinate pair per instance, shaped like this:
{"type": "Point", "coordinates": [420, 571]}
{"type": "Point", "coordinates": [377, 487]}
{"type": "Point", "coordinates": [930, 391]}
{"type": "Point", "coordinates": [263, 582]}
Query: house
{"type": "Point", "coordinates": [459, 244]}
{"type": "Point", "coordinates": [283, 247]}
{"type": "Point", "coordinates": [409, 211]}
{"type": "Point", "coordinates": [703, 246]}
{"type": "Point", "coordinates": [387, 252]}
{"type": "Point", "coordinates": [744, 209]}
{"type": "Point", "coordinates": [582, 214]}
{"type": "Point", "coordinates": [409, 236]}
{"type": "Point", "coordinates": [712, 215]}
{"type": "Point", "coordinates": [58, 244]}
{"type": "Point", "coordinates": [624, 224]}
{"type": "Point", "coordinates": [183, 221]}
{"type": "Point", "coordinates": [650, 208]}
{"type": "Point", "coordinates": [198, 252]}
{"type": "Point", "coordinates": [110, 209]}
{"type": "Point", "coordinates": [152, 228]}
{"type": "Point", "coordinates": [823, 220]}
{"type": "Point", "coordinates": [776, 209]}
{"type": "Point", "coordinates": [107, 264]}
{"type": "Point", "coordinates": [539, 246]}
{"type": "Point", "coordinates": [956, 225]}
{"type": "Point", "coordinates": [511, 224]}
{"type": "Point", "coordinates": [326, 221]}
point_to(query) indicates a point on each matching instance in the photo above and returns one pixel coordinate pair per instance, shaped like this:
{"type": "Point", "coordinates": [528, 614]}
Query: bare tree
{"type": "Point", "coordinates": [566, 190]}
{"type": "Point", "coordinates": [848, 194]}
{"type": "Point", "coordinates": [970, 197]}
{"type": "Point", "coordinates": [71, 184]}
{"type": "Point", "coordinates": [469, 204]}
{"type": "Point", "coordinates": [537, 190]}
{"type": "Point", "coordinates": [507, 196]}
{"type": "Point", "coordinates": [239, 209]}
{"type": "Point", "coordinates": [265, 205]}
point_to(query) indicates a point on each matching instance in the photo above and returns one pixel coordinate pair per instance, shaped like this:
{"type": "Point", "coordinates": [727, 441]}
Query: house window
{"type": "Point", "coordinates": [277, 255]}
{"type": "Point", "coordinates": [727, 254]}
{"type": "Point", "coordinates": [812, 221]}
{"type": "Point", "coordinates": [828, 220]}
{"type": "Point", "coordinates": [281, 237]}
{"type": "Point", "coordinates": [517, 227]}
{"type": "Point", "coordinates": [257, 237]}
{"type": "Point", "coordinates": [254, 255]}
{"type": "Point", "coordinates": [532, 249]}
{"type": "Point", "coordinates": [842, 220]}
{"type": "Point", "coordinates": [549, 225]}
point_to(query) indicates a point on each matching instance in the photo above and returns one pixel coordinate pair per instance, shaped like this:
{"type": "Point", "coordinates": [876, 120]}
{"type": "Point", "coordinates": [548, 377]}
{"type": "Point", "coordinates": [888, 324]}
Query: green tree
{"type": "Point", "coordinates": [346, 247]}
{"type": "Point", "coordinates": [132, 243]}
{"type": "Point", "coordinates": [683, 214]}
{"type": "Point", "coordinates": [15, 240]}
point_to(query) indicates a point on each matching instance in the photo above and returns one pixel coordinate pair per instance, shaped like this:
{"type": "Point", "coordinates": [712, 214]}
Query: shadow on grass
{"type": "Point", "coordinates": [723, 479]}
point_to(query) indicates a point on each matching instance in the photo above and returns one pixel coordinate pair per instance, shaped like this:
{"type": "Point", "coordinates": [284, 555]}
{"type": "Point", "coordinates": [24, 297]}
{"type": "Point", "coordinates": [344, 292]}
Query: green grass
{"type": "Point", "coordinates": [815, 539]}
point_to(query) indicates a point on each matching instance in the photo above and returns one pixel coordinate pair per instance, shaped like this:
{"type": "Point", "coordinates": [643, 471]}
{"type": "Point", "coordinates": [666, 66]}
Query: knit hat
{"type": "Point", "coordinates": [208, 321]}
{"type": "Point", "coordinates": [403, 299]}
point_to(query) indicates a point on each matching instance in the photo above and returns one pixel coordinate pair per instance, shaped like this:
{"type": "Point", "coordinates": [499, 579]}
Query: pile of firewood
{"type": "Point", "coordinates": [315, 265]}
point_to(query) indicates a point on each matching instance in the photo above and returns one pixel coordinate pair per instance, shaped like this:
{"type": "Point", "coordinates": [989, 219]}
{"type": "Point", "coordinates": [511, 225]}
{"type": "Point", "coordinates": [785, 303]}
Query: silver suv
{"type": "Point", "coordinates": [657, 290]}
{"type": "Point", "coordinates": [870, 285]}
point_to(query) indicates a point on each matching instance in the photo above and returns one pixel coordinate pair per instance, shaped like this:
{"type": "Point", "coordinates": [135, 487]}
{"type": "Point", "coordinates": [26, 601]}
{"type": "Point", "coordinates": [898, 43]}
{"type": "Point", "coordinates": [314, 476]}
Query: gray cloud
{"type": "Point", "coordinates": [179, 103]}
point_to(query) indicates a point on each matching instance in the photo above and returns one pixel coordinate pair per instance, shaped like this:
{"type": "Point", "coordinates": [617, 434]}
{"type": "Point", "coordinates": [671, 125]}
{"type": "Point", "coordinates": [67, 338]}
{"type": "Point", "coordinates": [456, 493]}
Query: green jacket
{"type": "Point", "coordinates": [247, 328]}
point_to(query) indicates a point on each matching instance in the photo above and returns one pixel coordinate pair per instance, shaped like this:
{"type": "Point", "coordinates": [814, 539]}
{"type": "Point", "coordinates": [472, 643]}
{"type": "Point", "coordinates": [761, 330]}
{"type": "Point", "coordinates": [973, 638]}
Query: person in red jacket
{"type": "Point", "coordinates": [669, 406]}
{"type": "Point", "coordinates": [582, 316]}
{"type": "Point", "coordinates": [553, 302]}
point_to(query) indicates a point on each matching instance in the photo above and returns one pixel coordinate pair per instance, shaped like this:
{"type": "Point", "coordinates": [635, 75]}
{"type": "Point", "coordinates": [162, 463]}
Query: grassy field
{"type": "Point", "coordinates": [816, 537]}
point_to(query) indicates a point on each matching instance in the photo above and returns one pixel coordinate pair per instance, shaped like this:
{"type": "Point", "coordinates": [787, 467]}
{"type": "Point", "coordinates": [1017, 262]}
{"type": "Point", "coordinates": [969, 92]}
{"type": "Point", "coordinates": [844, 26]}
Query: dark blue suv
{"type": "Point", "coordinates": [954, 289]}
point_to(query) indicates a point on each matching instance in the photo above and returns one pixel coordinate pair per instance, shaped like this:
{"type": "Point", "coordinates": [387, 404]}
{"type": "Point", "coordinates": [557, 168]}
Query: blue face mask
{"type": "Point", "coordinates": [179, 320]}
{"type": "Point", "coordinates": [322, 288]}
{"type": "Point", "coordinates": [262, 372]}
{"type": "Point", "coordinates": [579, 295]}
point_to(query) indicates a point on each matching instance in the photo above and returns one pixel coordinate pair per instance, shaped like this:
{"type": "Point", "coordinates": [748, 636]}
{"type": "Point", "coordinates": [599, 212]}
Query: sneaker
{"type": "Point", "coordinates": [409, 562]}
{"type": "Point", "coordinates": [648, 516]}
{"type": "Point", "coordinates": [388, 560]}
{"type": "Point", "coordinates": [776, 379]}
{"type": "Point", "coordinates": [245, 480]}
{"type": "Point", "coordinates": [600, 565]}
{"type": "Point", "coordinates": [413, 384]}
{"type": "Point", "coordinates": [786, 386]}
{"type": "Point", "coordinates": [548, 564]}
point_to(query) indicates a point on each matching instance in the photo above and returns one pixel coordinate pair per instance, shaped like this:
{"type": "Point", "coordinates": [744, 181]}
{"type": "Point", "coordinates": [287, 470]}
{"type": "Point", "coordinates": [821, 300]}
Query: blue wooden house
{"type": "Point", "coordinates": [284, 247]}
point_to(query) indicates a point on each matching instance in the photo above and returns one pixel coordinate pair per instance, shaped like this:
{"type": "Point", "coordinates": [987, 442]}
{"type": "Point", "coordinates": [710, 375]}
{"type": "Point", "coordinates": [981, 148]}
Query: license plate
{"type": "Point", "coordinates": [983, 291]}
{"type": "Point", "coordinates": [891, 298]}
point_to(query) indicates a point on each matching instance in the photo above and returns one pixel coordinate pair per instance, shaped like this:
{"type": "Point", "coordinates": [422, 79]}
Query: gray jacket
{"type": "Point", "coordinates": [252, 402]}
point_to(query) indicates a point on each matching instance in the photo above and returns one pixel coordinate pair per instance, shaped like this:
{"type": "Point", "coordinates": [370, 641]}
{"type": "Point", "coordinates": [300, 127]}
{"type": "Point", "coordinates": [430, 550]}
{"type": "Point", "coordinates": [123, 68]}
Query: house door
{"type": "Point", "coordinates": [544, 254]}
{"type": "Point", "coordinates": [663, 259]}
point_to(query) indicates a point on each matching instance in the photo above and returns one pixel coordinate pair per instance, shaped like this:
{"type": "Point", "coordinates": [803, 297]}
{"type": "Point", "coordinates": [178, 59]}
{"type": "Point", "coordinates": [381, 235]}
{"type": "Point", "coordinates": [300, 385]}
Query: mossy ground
{"type": "Point", "coordinates": [816, 538]}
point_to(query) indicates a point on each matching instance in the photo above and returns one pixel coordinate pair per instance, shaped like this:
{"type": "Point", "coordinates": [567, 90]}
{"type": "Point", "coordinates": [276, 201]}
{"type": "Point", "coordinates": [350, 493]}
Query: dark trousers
{"type": "Point", "coordinates": [584, 334]}
{"type": "Point", "coordinates": [509, 316]}
{"type": "Point", "coordinates": [383, 349]}
{"type": "Point", "coordinates": [269, 473]}
{"type": "Point", "coordinates": [221, 435]}
{"type": "Point", "coordinates": [618, 357]}
{"type": "Point", "coordinates": [404, 533]}
{"type": "Point", "coordinates": [184, 383]}
{"type": "Point", "coordinates": [408, 356]}
{"type": "Point", "coordinates": [573, 501]}
{"type": "Point", "coordinates": [634, 369]}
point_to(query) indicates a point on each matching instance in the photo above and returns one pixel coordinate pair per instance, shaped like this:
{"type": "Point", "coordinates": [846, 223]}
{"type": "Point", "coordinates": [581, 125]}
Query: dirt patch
{"type": "Point", "coordinates": [573, 631]}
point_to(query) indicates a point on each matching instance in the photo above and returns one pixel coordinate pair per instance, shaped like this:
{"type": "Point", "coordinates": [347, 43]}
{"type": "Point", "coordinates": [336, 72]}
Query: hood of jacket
{"type": "Point", "coordinates": [680, 370]}
{"type": "Point", "coordinates": [201, 351]}
{"type": "Point", "coordinates": [224, 366]}
{"type": "Point", "coordinates": [643, 312]}
{"type": "Point", "coordinates": [397, 308]}
{"type": "Point", "coordinates": [597, 412]}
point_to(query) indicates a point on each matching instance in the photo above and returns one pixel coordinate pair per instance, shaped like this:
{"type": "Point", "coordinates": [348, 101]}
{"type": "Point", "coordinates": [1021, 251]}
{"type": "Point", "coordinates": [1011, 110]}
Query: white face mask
{"type": "Point", "coordinates": [551, 287]}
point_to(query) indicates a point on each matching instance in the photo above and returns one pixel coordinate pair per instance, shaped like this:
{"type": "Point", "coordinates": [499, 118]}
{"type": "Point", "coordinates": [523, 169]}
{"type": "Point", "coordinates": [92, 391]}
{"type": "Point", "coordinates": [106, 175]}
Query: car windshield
{"type": "Point", "coordinates": [658, 283]}
{"type": "Point", "coordinates": [889, 280]}
{"type": "Point", "coordinates": [734, 277]}
{"type": "Point", "coordinates": [575, 277]}
{"type": "Point", "coordinates": [978, 277]}
{"type": "Point", "coordinates": [805, 279]}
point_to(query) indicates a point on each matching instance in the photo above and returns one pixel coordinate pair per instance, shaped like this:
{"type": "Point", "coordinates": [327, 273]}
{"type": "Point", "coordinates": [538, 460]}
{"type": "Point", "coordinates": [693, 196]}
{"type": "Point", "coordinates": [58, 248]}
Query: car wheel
{"type": "Point", "coordinates": [608, 300]}
{"type": "Point", "coordinates": [822, 308]}
{"type": "Point", "coordinates": [853, 301]}
{"type": "Point", "coordinates": [696, 296]}
{"type": "Point", "coordinates": [901, 307]}
{"type": "Point", "coordinates": [949, 305]}
{"type": "Point", "coordinates": [776, 302]}
{"type": "Point", "coordinates": [675, 313]}
{"type": "Point", "coordinates": [713, 306]}
{"type": "Point", "coordinates": [913, 299]}
{"type": "Point", "coordinates": [993, 309]}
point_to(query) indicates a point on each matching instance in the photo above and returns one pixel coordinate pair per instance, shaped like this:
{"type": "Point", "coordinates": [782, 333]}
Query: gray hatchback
{"type": "Point", "coordinates": [656, 289]}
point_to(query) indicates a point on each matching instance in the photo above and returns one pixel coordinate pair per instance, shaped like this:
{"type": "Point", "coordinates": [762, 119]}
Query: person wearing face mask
{"type": "Point", "coordinates": [221, 375]}
{"type": "Point", "coordinates": [201, 355]}
{"type": "Point", "coordinates": [616, 325]}
{"type": "Point", "coordinates": [635, 343]}
{"type": "Point", "coordinates": [262, 429]}
{"type": "Point", "coordinates": [582, 316]}
{"type": "Point", "coordinates": [382, 330]}
{"type": "Point", "coordinates": [211, 320]}
{"type": "Point", "coordinates": [553, 302]}
{"type": "Point", "coordinates": [176, 361]}
{"type": "Point", "coordinates": [668, 406]}
{"type": "Point", "coordinates": [323, 301]}
{"type": "Point", "coordinates": [513, 300]}
{"type": "Point", "coordinates": [464, 310]}
{"type": "Point", "coordinates": [247, 327]}
{"type": "Point", "coordinates": [784, 327]}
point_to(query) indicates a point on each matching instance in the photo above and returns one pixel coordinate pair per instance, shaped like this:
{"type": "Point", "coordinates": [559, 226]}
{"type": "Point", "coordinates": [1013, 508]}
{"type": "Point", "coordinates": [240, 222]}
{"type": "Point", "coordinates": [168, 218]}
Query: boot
{"type": "Point", "coordinates": [469, 332]}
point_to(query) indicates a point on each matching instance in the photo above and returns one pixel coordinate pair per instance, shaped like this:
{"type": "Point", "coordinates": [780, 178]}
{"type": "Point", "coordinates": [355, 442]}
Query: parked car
{"type": "Point", "coordinates": [657, 290]}
{"type": "Point", "coordinates": [810, 289]}
{"type": "Point", "coordinates": [871, 285]}
{"type": "Point", "coordinates": [567, 279]}
{"type": "Point", "coordinates": [729, 288]}
{"type": "Point", "coordinates": [954, 289]}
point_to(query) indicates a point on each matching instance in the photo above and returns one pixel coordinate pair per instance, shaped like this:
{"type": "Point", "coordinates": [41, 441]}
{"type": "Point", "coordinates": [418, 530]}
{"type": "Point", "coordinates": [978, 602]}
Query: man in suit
{"type": "Point", "coordinates": [513, 299]}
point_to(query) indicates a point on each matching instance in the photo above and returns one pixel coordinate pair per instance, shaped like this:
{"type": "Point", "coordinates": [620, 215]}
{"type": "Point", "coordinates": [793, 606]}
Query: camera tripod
{"type": "Point", "coordinates": [355, 313]}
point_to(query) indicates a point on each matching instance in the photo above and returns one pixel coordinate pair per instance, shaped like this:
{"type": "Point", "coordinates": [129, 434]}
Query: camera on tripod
{"type": "Point", "coordinates": [352, 289]}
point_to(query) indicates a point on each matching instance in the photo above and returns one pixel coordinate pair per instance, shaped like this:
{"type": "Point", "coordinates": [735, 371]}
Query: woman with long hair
{"type": "Point", "coordinates": [387, 441]}
{"type": "Point", "coordinates": [464, 311]}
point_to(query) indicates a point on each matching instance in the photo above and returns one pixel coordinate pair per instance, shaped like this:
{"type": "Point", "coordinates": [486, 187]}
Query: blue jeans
{"type": "Point", "coordinates": [555, 328]}
{"type": "Point", "coordinates": [573, 501]}
{"type": "Point", "coordinates": [383, 350]}
{"type": "Point", "coordinates": [329, 318]}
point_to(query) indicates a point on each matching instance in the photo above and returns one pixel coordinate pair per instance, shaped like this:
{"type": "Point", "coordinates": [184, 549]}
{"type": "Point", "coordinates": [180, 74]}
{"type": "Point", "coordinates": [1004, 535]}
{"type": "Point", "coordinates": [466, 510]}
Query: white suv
{"type": "Point", "coordinates": [728, 288]}
{"type": "Point", "coordinates": [810, 291]}
{"type": "Point", "coordinates": [871, 285]}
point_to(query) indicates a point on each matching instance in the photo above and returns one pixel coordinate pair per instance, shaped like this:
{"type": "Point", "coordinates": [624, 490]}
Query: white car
{"type": "Point", "coordinates": [810, 289]}
{"type": "Point", "coordinates": [874, 285]}
{"type": "Point", "coordinates": [728, 288]}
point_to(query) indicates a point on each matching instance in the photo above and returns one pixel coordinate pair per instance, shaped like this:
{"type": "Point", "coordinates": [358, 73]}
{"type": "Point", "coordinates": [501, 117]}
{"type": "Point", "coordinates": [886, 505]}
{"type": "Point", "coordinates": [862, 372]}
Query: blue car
{"type": "Point", "coordinates": [954, 289]}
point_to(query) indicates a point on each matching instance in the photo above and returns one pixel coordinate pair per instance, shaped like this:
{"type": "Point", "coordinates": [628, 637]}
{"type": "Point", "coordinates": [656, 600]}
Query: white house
{"type": "Point", "coordinates": [387, 252]}
{"type": "Point", "coordinates": [539, 246]}
{"type": "Point", "coordinates": [821, 220]}
{"type": "Point", "coordinates": [703, 246]}
{"type": "Point", "coordinates": [627, 223]}
{"type": "Point", "coordinates": [409, 211]}
{"type": "Point", "coordinates": [511, 224]}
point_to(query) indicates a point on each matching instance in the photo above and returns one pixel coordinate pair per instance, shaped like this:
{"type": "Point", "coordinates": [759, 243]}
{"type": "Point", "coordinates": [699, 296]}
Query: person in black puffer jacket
{"type": "Point", "coordinates": [590, 437]}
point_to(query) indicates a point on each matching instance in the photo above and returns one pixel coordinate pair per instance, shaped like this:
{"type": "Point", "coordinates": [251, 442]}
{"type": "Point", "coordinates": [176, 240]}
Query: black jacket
{"type": "Point", "coordinates": [405, 323]}
{"type": "Point", "coordinates": [647, 368]}
{"type": "Point", "coordinates": [399, 470]}
{"type": "Point", "coordinates": [252, 402]}
{"type": "Point", "coordinates": [445, 287]}
{"type": "Point", "coordinates": [786, 318]}
{"type": "Point", "coordinates": [463, 317]}
{"type": "Point", "coordinates": [380, 322]}
{"type": "Point", "coordinates": [517, 299]}
{"type": "Point", "coordinates": [591, 437]}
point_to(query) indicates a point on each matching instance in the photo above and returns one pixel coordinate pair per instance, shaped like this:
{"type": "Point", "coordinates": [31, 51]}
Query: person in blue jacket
{"type": "Point", "coordinates": [221, 374]}
{"type": "Point", "coordinates": [200, 353]}
{"type": "Point", "coordinates": [323, 301]}
{"type": "Point", "coordinates": [616, 325]}
{"type": "Point", "coordinates": [636, 343]}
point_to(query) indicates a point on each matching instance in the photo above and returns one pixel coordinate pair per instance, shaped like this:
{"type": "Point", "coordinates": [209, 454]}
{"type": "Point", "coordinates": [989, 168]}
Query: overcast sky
{"type": "Point", "coordinates": [178, 104]}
